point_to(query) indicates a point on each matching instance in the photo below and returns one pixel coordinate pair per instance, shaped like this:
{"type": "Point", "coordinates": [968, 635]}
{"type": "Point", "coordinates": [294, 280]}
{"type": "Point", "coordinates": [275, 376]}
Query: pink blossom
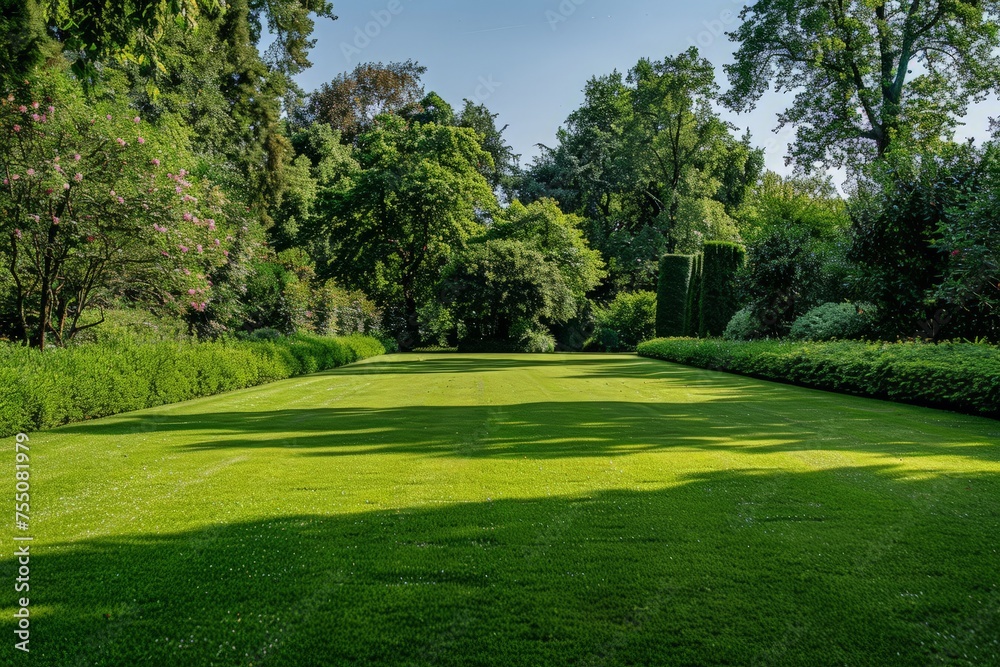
{"type": "Point", "coordinates": [183, 248]}
{"type": "Point", "coordinates": [76, 157]}
{"type": "Point", "coordinates": [30, 172]}
{"type": "Point", "coordinates": [108, 116]}
{"type": "Point", "coordinates": [165, 253]}
{"type": "Point", "coordinates": [188, 217]}
{"type": "Point", "coordinates": [200, 249]}
{"type": "Point", "coordinates": [34, 105]}
{"type": "Point", "coordinates": [192, 291]}
{"type": "Point", "coordinates": [136, 120]}
{"type": "Point", "coordinates": [56, 159]}
{"type": "Point", "coordinates": [217, 242]}
{"type": "Point", "coordinates": [955, 252]}
{"type": "Point", "coordinates": [55, 220]}
{"type": "Point", "coordinates": [141, 140]}
{"type": "Point", "coordinates": [187, 272]}
{"type": "Point", "coordinates": [182, 173]}
{"type": "Point", "coordinates": [120, 141]}
{"type": "Point", "coordinates": [77, 177]}
{"type": "Point", "coordinates": [210, 283]}
{"type": "Point", "coordinates": [211, 225]}
{"type": "Point", "coordinates": [36, 218]}
{"type": "Point", "coordinates": [65, 186]}
{"type": "Point", "coordinates": [57, 168]}
{"type": "Point", "coordinates": [23, 109]}
{"type": "Point", "coordinates": [17, 233]}
{"type": "Point", "coordinates": [156, 162]}
{"type": "Point", "coordinates": [14, 177]}
{"type": "Point", "coordinates": [52, 109]}
{"type": "Point", "coordinates": [6, 181]}
{"type": "Point", "coordinates": [35, 117]}
{"type": "Point", "coordinates": [121, 200]}
{"type": "Point", "coordinates": [17, 128]}
{"type": "Point", "coordinates": [226, 253]}
{"type": "Point", "coordinates": [177, 189]}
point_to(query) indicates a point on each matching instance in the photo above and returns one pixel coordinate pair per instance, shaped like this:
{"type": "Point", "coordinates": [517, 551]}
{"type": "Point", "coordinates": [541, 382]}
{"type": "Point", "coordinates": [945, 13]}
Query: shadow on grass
{"type": "Point", "coordinates": [421, 364]}
{"type": "Point", "coordinates": [852, 566]}
{"type": "Point", "coordinates": [758, 420]}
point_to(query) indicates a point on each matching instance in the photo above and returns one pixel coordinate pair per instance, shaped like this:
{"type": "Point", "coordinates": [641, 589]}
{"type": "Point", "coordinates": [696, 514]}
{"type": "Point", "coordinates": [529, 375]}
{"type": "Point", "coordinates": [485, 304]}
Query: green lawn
{"type": "Point", "coordinates": [514, 510]}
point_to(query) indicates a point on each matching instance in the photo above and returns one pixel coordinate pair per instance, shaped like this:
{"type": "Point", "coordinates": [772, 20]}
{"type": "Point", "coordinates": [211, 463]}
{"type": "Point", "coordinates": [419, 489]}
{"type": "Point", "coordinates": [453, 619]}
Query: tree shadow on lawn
{"type": "Point", "coordinates": [855, 566]}
{"type": "Point", "coordinates": [422, 364]}
{"type": "Point", "coordinates": [765, 421]}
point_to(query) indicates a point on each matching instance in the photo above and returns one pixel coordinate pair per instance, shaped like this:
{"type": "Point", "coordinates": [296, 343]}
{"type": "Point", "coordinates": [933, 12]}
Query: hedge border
{"type": "Point", "coordinates": [964, 377]}
{"type": "Point", "coordinates": [42, 390]}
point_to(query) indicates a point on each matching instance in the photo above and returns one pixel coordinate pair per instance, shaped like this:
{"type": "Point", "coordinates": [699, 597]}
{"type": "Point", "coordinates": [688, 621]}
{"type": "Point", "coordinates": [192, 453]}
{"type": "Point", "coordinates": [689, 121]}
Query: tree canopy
{"type": "Point", "coordinates": [867, 73]}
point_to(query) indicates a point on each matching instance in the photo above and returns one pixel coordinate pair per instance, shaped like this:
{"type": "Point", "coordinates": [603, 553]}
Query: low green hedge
{"type": "Point", "coordinates": [956, 376]}
{"type": "Point", "coordinates": [43, 390]}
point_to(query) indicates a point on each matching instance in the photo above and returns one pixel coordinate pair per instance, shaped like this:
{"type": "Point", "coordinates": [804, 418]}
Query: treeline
{"type": "Point", "coordinates": [158, 161]}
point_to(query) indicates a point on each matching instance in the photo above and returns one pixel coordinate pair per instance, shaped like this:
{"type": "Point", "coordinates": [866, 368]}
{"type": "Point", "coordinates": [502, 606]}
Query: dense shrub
{"type": "Point", "coordinates": [626, 322]}
{"type": "Point", "coordinates": [832, 321]}
{"type": "Point", "coordinates": [538, 341]}
{"type": "Point", "coordinates": [41, 390]}
{"type": "Point", "coordinates": [744, 325]}
{"type": "Point", "coordinates": [956, 376]}
{"type": "Point", "coordinates": [722, 261]}
{"type": "Point", "coordinates": [672, 294]}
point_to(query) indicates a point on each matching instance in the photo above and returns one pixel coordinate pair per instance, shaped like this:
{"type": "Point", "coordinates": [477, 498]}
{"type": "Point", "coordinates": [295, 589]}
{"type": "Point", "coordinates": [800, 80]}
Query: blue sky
{"type": "Point", "coordinates": [528, 60]}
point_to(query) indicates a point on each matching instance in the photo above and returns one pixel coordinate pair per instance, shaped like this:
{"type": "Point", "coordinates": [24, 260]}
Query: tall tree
{"type": "Point", "coordinates": [351, 102]}
{"type": "Point", "coordinates": [868, 73]}
{"type": "Point", "coordinates": [417, 198]}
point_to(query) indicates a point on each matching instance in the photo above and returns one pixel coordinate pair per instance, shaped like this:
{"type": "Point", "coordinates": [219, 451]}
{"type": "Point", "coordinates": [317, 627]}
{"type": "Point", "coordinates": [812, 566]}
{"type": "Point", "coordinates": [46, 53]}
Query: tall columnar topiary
{"type": "Point", "coordinates": [692, 315]}
{"type": "Point", "coordinates": [672, 295]}
{"type": "Point", "coordinates": [718, 292]}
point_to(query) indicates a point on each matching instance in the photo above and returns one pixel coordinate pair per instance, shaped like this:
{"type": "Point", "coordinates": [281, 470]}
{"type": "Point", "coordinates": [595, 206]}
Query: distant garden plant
{"type": "Point", "coordinates": [96, 202]}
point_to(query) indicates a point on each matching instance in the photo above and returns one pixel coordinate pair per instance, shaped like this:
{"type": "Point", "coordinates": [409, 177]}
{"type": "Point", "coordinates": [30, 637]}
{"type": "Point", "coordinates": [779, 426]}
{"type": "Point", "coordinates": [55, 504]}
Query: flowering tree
{"type": "Point", "coordinates": [92, 206]}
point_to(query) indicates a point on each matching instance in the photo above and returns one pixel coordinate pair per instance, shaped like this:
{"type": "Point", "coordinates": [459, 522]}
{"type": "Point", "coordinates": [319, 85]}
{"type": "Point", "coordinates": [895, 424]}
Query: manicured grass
{"type": "Point", "coordinates": [515, 510]}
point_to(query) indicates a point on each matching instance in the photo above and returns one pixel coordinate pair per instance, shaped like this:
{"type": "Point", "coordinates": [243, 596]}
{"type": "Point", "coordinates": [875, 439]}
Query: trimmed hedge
{"type": "Point", "coordinates": [957, 376]}
{"type": "Point", "coordinates": [692, 314]}
{"type": "Point", "coordinates": [40, 390]}
{"type": "Point", "coordinates": [672, 294]}
{"type": "Point", "coordinates": [718, 289]}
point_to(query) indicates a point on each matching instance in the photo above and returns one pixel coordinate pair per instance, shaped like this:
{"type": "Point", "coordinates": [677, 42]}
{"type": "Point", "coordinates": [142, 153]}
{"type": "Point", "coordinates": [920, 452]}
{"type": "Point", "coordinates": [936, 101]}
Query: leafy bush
{"type": "Point", "coordinates": [538, 341]}
{"type": "Point", "coordinates": [626, 322]}
{"type": "Point", "coordinates": [672, 294]}
{"type": "Point", "coordinates": [956, 376]}
{"type": "Point", "coordinates": [41, 390]}
{"type": "Point", "coordinates": [832, 321]}
{"type": "Point", "coordinates": [743, 326]}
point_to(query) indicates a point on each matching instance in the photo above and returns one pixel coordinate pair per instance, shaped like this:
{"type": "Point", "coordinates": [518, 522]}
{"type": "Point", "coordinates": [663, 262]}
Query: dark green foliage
{"type": "Point", "coordinates": [672, 295]}
{"type": "Point", "coordinates": [836, 321]}
{"type": "Point", "coordinates": [744, 325]}
{"type": "Point", "coordinates": [955, 376]}
{"type": "Point", "coordinates": [895, 227]}
{"type": "Point", "coordinates": [500, 288]}
{"type": "Point", "coordinates": [719, 303]}
{"type": "Point", "coordinates": [41, 390]}
{"type": "Point", "coordinates": [626, 322]}
{"type": "Point", "coordinates": [692, 313]}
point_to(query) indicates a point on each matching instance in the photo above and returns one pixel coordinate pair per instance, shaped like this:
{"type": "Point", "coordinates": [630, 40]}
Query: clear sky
{"type": "Point", "coordinates": [528, 60]}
